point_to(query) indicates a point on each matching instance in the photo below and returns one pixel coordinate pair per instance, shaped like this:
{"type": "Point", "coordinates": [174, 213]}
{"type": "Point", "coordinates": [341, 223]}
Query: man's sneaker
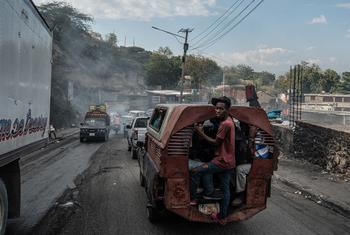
{"type": "Point", "coordinates": [212, 196]}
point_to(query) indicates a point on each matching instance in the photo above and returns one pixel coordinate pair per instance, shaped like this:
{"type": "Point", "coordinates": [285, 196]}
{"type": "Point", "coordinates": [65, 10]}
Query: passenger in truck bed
{"type": "Point", "coordinates": [200, 150]}
{"type": "Point", "coordinates": [256, 149]}
{"type": "Point", "coordinates": [223, 161]}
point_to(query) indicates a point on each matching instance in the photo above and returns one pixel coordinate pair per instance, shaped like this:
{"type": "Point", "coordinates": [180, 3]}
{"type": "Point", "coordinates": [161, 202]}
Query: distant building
{"type": "Point", "coordinates": [164, 96]}
{"type": "Point", "coordinates": [326, 102]}
{"type": "Point", "coordinates": [237, 92]}
{"type": "Point", "coordinates": [266, 100]}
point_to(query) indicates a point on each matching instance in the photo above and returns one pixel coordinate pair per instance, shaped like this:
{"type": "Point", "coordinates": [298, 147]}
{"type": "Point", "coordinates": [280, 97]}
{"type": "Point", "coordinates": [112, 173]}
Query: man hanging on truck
{"type": "Point", "coordinates": [223, 161]}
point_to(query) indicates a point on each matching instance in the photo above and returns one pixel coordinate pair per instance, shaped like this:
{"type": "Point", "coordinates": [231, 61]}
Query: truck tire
{"type": "Point", "coordinates": [81, 139]}
{"type": "Point", "coordinates": [152, 214]}
{"type": "Point", "coordinates": [3, 207]}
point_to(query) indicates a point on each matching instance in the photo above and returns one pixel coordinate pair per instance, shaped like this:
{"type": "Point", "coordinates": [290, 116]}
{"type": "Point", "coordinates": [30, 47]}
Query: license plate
{"type": "Point", "coordinates": [91, 134]}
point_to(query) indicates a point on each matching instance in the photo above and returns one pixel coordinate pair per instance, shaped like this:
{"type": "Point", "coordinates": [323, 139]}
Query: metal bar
{"type": "Point", "coordinates": [297, 93]}
{"type": "Point", "coordinates": [290, 97]}
{"type": "Point", "coordinates": [294, 78]}
{"type": "Point", "coordinates": [301, 90]}
{"type": "Point", "coordinates": [174, 34]}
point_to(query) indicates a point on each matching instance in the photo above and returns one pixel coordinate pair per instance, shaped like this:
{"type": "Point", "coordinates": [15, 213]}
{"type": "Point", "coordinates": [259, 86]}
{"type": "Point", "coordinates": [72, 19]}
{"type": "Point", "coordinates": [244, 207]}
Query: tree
{"type": "Point", "coordinates": [312, 75]}
{"type": "Point", "coordinates": [265, 78]}
{"type": "Point", "coordinates": [245, 72]}
{"type": "Point", "coordinates": [165, 51]}
{"type": "Point", "coordinates": [344, 85]}
{"type": "Point", "coordinates": [65, 21]}
{"type": "Point", "coordinates": [203, 71]}
{"type": "Point", "coordinates": [231, 75]}
{"type": "Point", "coordinates": [282, 84]}
{"type": "Point", "coordinates": [329, 81]}
{"type": "Point", "coordinates": [163, 71]}
{"type": "Point", "coordinates": [111, 39]}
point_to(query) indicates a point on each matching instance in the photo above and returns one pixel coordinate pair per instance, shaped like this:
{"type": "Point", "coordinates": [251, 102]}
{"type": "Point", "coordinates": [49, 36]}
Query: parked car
{"type": "Point", "coordinates": [127, 120]}
{"type": "Point", "coordinates": [137, 138]}
{"type": "Point", "coordinates": [137, 113]}
{"type": "Point", "coordinates": [169, 146]}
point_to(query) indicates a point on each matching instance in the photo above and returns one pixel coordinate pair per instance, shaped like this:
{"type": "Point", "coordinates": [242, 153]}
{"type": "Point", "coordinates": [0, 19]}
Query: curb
{"type": "Point", "coordinates": [314, 197]}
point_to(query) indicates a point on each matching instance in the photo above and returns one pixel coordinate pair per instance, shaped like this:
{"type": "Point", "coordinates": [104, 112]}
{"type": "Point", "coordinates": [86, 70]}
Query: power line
{"type": "Point", "coordinates": [215, 57]}
{"type": "Point", "coordinates": [208, 41]}
{"type": "Point", "coordinates": [222, 28]}
{"type": "Point", "coordinates": [213, 41]}
{"type": "Point", "coordinates": [197, 36]}
{"type": "Point", "coordinates": [177, 40]}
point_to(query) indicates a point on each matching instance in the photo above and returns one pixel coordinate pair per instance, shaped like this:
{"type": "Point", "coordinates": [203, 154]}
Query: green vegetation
{"type": "Point", "coordinates": [163, 69]}
{"type": "Point", "coordinates": [94, 63]}
{"type": "Point", "coordinates": [87, 60]}
{"type": "Point", "coordinates": [316, 80]}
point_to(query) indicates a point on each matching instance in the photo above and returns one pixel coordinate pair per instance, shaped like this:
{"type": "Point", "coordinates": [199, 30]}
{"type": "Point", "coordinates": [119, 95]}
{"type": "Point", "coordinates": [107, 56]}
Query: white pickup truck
{"type": "Point", "coordinates": [138, 132]}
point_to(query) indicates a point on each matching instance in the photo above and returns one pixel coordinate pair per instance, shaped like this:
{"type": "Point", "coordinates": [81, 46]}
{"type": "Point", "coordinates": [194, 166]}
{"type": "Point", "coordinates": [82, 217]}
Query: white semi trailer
{"type": "Point", "coordinates": [25, 89]}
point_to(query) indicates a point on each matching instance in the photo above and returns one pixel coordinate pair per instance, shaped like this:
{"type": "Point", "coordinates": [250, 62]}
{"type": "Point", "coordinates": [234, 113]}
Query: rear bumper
{"type": "Point", "coordinates": [93, 134]}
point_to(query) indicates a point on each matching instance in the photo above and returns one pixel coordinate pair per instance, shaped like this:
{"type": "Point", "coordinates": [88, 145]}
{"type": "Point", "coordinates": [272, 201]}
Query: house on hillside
{"type": "Point", "coordinates": [266, 100]}
{"type": "Point", "coordinates": [235, 92]}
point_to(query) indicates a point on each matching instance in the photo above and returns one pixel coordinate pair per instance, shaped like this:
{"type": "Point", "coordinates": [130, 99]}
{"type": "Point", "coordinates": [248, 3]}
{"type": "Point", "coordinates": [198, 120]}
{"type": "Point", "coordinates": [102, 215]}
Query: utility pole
{"type": "Point", "coordinates": [186, 31]}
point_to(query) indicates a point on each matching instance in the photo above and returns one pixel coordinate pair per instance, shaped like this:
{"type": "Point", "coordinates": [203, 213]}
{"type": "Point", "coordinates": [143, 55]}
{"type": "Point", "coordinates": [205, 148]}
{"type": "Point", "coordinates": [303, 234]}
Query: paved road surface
{"type": "Point", "coordinates": [46, 174]}
{"type": "Point", "coordinates": [110, 201]}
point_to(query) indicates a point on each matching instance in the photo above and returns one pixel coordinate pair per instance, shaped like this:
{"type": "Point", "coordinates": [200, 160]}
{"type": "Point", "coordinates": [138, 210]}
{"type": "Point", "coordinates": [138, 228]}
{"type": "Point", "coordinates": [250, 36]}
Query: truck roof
{"type": "Point", "coordinates": [183, 115]}
{"type": "Point", "coordinates": [40, 16]}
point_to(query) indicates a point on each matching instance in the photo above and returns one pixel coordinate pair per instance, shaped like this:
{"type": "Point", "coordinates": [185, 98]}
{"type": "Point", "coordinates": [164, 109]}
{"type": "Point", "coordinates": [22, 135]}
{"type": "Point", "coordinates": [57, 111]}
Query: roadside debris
{"type": "Point", "coordinates": [298, 192]}
{"type": "Point", "coordinates": [67, 204]}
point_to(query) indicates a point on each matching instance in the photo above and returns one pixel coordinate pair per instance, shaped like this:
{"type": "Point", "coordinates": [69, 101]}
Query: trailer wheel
{"type": "Point", "coordinates": [3, 207]}
{"type": "Point", "coordinates": [152, 214]}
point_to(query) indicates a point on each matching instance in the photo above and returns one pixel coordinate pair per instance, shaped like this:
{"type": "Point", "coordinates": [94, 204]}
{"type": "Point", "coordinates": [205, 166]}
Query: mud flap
{"type": "Point", "coordinates": [176, 193]}
{"type": "Point", "coordinates": [259, 180]}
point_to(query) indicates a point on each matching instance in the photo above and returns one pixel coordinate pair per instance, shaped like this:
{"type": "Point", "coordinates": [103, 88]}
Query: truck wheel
{"type": "Point", "coordinates": [3, 207]}
{"type": "Point", "coordinates": [81, 140]}
{"type": "Point", "coordinates": [152, 214]}
{"type": "Point", "coordinates": [133, 153]}
{"type": "Point", "coordinates": [142, 180]}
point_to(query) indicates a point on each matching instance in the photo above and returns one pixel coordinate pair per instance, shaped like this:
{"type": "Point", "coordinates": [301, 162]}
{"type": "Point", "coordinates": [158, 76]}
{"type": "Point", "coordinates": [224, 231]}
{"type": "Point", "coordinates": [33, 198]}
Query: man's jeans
{"type": "Point", "coordinates": [207, 174]}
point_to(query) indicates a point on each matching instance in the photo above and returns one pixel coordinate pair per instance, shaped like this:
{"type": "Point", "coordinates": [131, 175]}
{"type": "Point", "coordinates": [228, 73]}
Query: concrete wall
{"type": "Point", "coordinates": [326, 147]}
{"type": "Point", "coordinates": [326, 118]}
{"type": "Point", "coordinates": [285, 138]}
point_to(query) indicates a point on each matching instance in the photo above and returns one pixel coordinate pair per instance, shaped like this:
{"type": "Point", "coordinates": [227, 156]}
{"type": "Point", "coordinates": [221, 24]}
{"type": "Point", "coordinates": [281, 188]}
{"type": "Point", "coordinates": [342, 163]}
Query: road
{"type": "Point", "coordinates": [109, 200]}
{"type": "Point", "coordinates": [46, 174]}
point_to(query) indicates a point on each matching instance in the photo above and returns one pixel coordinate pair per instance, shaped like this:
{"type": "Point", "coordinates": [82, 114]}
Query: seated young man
{"type": "Point", "coordinates": [223, 161]}
{"type": "Point", "coordinates": [258, 150]}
